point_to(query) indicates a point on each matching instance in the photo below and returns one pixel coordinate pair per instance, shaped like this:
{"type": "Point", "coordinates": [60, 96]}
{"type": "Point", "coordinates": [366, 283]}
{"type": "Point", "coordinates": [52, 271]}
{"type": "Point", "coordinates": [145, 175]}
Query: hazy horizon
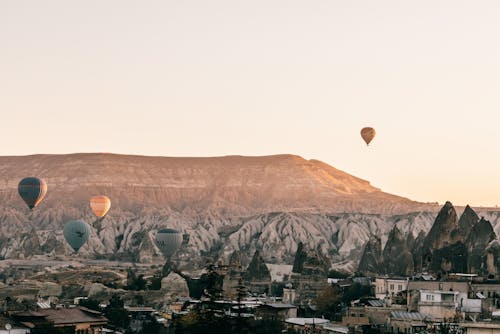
{"type": "Point", "coordinates": [197, 78]}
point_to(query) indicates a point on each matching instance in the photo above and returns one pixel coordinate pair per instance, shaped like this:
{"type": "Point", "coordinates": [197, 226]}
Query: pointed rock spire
{"type": "Point", "coordinates": [397, 258]}
{"type": "Point", "coordinates": [371, 259]}
{"type": "Point", "coordinates": [467, 220]}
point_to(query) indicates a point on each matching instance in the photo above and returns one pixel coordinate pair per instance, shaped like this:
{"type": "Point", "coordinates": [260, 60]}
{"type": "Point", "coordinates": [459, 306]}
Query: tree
{"type": "Point", "coordinates": [90, 304]}
{"type": "Point", "coordinates": [356, 291]}
{"type": "Point", "coordinates": [328, 302]}
{"type": "Point", "coordinates": [135, 282]}
{"type": "Point", "coordinates": [116, 313]}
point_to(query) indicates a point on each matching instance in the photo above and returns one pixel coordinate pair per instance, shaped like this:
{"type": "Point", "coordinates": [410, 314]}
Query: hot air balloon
{"type": "Point", "coordinates": [76, 233]}
{"type": "Point", "coordinates": [32, 190]}
{"type": "Point", "coordinates": [168, 241]}
{"type": "Point", "coordinates": [100, 205]}
{"type": "Point", "coordinates": [368, 134]}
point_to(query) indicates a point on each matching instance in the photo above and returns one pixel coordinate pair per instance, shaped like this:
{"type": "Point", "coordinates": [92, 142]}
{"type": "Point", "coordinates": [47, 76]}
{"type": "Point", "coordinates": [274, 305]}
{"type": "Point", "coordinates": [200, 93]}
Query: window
{"type": "Point", "coordinates": [400, 287]}
{"type": "Point", "coordinates": [391, 287]}
{"type": "Point", "coordinates": [429, 298]}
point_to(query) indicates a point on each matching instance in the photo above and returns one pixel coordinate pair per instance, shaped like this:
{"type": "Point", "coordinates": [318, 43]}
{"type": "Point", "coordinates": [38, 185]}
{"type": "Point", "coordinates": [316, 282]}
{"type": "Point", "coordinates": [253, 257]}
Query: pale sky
{"type": "Point", "coordinates": [259, 77]}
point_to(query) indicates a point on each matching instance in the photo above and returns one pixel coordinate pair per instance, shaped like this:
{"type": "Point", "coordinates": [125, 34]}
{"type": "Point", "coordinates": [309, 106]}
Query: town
{"type": "Point", "coordinates": [96, 296]}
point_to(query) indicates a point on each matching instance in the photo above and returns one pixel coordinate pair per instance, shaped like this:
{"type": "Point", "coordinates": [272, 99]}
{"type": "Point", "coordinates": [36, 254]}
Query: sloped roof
{"type": "Point", "coordinates": [72, 315]}
{"type": "Point", "coordinates": [375, 302]}
{"type": "Point", "coordinates": [403, 315]}
{"type": "Point", "coordinates": [306, 321]}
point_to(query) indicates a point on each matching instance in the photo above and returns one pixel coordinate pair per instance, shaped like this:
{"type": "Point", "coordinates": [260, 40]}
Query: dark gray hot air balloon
{"type": "Point", "coordinates": [32, 190]}
{"type": "Point", "coordinates": [76, 233]}
{"type": "Point", "coordinates": [168, 241]}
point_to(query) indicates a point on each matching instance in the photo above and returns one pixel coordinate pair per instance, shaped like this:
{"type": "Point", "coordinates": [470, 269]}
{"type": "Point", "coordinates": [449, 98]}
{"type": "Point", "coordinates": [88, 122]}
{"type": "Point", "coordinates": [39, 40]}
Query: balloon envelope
{"type": "Point", "coordinates": [368, 134]}
{"type": "Point", "coordinates": [76, 233]}
{"type": "Point", "coordinates": [32, 190]}
{"type": "Point", "coordinates": [168, 241]}
{"type": "Point", "coordinates": [100, 205]}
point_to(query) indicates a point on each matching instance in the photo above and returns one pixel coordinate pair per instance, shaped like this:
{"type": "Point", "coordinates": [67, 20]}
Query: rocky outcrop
{"type": "Point", "coordinates": [174, 286]}
{"type": "Point", "coordinates": [467, 220]}
{"type": "Point", "coordinates": [371, 260]}
{"type": "Point", "coordinates": [480, 236]}
{"type": "Point", "coordinates": [418, 252]}
{"type": "Point", "coordinates": [257, 270]}
{"type": "Point", "coordinates": [443, 248]}
{"type": "Point", "coordinates": [397, 259]}
{"type": "Point", "coordinates": [444, 231]}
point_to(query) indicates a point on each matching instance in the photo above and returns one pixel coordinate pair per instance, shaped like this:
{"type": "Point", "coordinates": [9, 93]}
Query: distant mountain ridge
{"type": "Point", "coordinates": [223, 204]}
{"type": "Point", "coordinates": [230, 185]}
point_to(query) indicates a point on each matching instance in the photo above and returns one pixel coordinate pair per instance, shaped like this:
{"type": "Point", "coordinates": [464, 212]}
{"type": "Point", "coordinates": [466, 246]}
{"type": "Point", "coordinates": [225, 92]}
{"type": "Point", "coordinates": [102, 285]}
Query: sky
{"type": "Point", "coordinates": [261, 77]}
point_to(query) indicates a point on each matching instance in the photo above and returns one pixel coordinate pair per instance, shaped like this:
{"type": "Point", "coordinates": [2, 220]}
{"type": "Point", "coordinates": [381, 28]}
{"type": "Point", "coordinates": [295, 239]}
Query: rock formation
{"type": "Point", "coordinates": [397, 259]}
{"type": "Point", "coordinates": [480, 236]}
{"type": "Point", "coordinates": [371, 260]}
{"type": "Point", "coordinates": [467, 220]}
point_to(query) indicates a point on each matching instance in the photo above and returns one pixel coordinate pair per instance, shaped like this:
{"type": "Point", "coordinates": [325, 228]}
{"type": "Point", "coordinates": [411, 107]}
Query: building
{"type": "Point", "coordinates": [355, 316]}
{"type": "Point", "coordinates": [407, 322]}
{"type": "Point", "coordinates": [82, 320]}
{"type": "Point", "coordinates": [305, 325]}
{"type": "Point", "coordinates": [289, 294]}
{"type": "Point", "coordinates": [387, 287]}
{"type": "Point", "coordinates": [481, 327]}
{"type": "Point", "coordinates": [460, 286]}
{"type": "Point", "coordinates": [441, 304]}
{"type": "Point", "coordinates": [276, 311]}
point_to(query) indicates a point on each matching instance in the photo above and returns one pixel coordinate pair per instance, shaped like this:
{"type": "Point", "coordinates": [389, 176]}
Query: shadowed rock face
{"type": "Point", "coordinates": [480, 236]}
{"type": "Point", "coordinates": [371, 260]}
{"type": "Point", "coordinates": [443, 248]}
{"type": "Point", "coordinates": [444, 231]}
{"type": "Point", "coordinates": [257, 270]}
{"type": "Point", "coordinates": [417, 252]}
{"type": "Point", "coordinates": [397, 258]}
{"type": "Point", "coordinates": [310, 262]}
{"type": "Point", "coordinates": [467, 220]}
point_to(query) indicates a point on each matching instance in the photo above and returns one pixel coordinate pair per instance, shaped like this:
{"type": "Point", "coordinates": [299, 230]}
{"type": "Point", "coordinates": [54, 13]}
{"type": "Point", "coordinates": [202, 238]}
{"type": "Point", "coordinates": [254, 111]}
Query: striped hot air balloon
{"type": "Point", "coordinates": [100, 205]}
{"type": "Point", "coordinates": [76, 233]}
{"type": "Point", "coordinates": [168, 241]}
{"type": "Point", "coordinates": [32, 190]}
{"type": "Point", "coordinates": [368, 134]}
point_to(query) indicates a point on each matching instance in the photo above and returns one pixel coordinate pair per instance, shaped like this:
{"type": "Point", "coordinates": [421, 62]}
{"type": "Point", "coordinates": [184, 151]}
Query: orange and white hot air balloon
{"type": "Point", "coordinates": [100, 205]}
{"type": "Point", "coordinates": [368, 134]}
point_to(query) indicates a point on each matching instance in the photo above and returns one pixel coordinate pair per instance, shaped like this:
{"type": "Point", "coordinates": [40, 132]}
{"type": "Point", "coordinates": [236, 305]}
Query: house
{"type": "Point", "coordinates": [386, 287]}
{"type": "Point", "coordinates": [481, 327]}
{"type": "Point", "coordinates": [355, 316]}
{"type": "Point", "coordinates": [441, 304]}
{"type": "Point", "coordinates": [276, 311]}
{"type": "Point", "coordinates": [407, 322]}
{"type": "Point", "coordinates": [305, 325]}
{"type": "Point", "coordinates": [83, 320]}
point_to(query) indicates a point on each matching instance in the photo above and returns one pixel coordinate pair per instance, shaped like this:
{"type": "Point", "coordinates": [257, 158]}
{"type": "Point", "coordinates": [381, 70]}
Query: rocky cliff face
{"type": "Point", "coordinates": [444, 231]}
{"type": "Point", "coordinates": [397, 259]}
{"type": "Point", "coordinates": [371, 260]}
{"type": "Point", "coordinates": [223, 204]}
{"type": "Point", "coordinates": [451, 245]}
{"type": "Point", "coordinates": [257, 270]}
{"type": "Point", "coordinates": [480, 236]}
{"type": "Point", "coordinates": [467, 220]}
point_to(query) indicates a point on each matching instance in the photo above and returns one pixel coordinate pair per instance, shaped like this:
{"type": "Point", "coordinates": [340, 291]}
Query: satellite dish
{"type": "Point", "coordinates": [8, 327]}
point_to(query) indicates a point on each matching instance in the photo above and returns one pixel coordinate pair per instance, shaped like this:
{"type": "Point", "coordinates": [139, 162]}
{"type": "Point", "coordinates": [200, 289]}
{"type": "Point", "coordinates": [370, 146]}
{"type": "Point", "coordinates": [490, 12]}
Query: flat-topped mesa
{"type": "Point", "coordinates": [230, 184]}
